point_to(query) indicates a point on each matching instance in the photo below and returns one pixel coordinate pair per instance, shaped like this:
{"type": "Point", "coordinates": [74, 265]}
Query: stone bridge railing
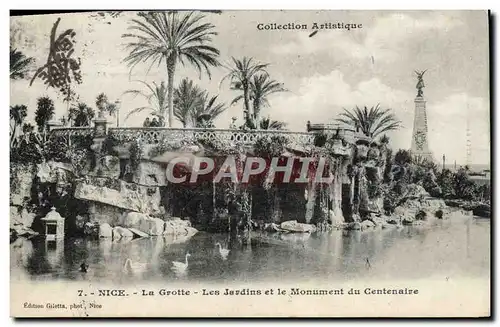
{"type": "Point", "coordinates": [155, 135]}
{"type": "Point", "coordinates": [67, 134]}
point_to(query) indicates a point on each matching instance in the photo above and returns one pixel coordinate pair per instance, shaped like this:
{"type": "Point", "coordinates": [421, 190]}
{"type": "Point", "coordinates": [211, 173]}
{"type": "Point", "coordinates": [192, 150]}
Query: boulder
{"type": "Point", "coordinates": [336, 219]}
{"type": "Point", "coordinates": [388, 226]}
{"type": "Point", "coordinates": [17, 226]}
{"type": "Point", "coordinates": [407, 221]}
{"type": "Point", "coordinates": [105, 230]}
{"type": "Point", "coordinates": [27, 217]}
{"type": "Point", "coordinates": [190, 231]}
{"type": "Point", "coordinates": [295, 227]}
{"type": "Point", "coordinates": [353, 226]}
{"type": "Point", "coordinates": [433, 204]}
{"type": "Point", "coordinates": [15, 217]}
{"type": "Point", "coordinates": [91, 229]}
{"type": "Point", "coordinates": [119, 232]}
{"type": "Point", "coordinates": [133, 219]}
{"type": "Point", "coordinates": [178, 227]}
{"type": "Point", "coordinates": [367, 224]}
{"type": "Point", "coordinates": [272, 228]}
{"type": "Point", "coordinates": [181, 222]}
{"type": "Point", "coordinates": [54, 172]}
{"type": "Point", "coordinates": [152, 226]}
{"type": "Point", "coordinates": [392, 220]}
{"type": "Point", "coordinates": [138, 232]}
{"type": "Point", "coordinates": [415, 191]}
{"type": "Point", "coordinates": [402, 212]}
{"type": "Point", "coordinates": [119, 194]}
{"type": "Point", "coordinates": [110, 167]}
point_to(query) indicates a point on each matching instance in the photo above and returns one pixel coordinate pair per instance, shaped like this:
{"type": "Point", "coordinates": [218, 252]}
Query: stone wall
{"type": "Point", "coordinates": [21, 181]}
{"type": "Point", "coordinates": [120, 194]}
{"type": "Point", "coordinates": [151, 174]}
{"type": "Point", "coordinates": [104, 213]}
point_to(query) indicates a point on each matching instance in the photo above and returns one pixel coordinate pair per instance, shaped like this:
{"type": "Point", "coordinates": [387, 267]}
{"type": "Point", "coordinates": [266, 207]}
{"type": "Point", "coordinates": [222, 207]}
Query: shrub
{"type": "Point", "coordinates": [269, 147]}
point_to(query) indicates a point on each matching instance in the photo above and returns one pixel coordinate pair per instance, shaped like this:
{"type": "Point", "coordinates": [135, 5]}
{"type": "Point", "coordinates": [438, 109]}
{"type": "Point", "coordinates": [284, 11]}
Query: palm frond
{"type": "Point", "coordinates": [371, 122]}
{"type": "Point", "coordinates": [137, 110]}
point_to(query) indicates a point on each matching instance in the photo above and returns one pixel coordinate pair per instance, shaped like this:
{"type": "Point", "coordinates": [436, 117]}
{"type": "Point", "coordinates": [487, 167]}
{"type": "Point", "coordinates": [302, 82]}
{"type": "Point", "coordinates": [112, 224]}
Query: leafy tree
{"type": "Point", "coordinates": [371, 122]}
{"type": "Point", "coordinates": [19, 64]}
{"type": "Point", "coordinates": [174, 38]}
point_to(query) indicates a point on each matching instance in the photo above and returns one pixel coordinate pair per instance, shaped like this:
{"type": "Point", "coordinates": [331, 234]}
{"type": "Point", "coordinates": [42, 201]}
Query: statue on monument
{"type": "Point", "coordinates": [420, 82]}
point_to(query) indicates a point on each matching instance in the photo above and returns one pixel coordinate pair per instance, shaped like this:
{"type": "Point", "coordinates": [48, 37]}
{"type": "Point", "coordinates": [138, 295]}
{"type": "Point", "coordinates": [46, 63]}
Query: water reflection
{"type": "Point", "coordinates": [461, 247]}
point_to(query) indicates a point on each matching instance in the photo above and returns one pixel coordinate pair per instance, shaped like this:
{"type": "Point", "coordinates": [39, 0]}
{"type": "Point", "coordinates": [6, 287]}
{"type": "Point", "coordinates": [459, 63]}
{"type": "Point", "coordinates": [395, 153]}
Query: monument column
{"type": "Point", "coordinates": [419, 142]}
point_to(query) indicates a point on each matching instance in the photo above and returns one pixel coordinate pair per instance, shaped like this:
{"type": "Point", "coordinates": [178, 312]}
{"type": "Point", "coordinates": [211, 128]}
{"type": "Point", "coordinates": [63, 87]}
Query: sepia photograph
{"type": "Point", "coordinates": [250, 163]}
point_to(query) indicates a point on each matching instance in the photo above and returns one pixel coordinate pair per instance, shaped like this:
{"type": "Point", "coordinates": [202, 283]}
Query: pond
{"type": "Point", "coordinates": [458, 247]}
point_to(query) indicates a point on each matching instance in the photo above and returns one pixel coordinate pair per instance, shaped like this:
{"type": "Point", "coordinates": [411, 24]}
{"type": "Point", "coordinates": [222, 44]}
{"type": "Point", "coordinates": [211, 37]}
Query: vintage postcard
{"type": "Point", "coordinates": [264, 163]}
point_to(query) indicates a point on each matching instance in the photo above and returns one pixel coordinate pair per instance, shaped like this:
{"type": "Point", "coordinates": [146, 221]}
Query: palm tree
{"type": "Point", "coordinates": [81, 114]}
{"type": "Point", "coordinates": [187, 101]}
{"type": "Point", "coordinates": [174, 38]}
{"type": "Point", "coordinates": [44, 113]}
{"type": "Point", "coordinates": [157, 99]}
{"type": "Point", "coordinates": [210, 108]}
{"type": "Point", "coordinates": [17, 115]}
{"type": "Point", "coordinates": [372, 122]}
{"type": "Point", "coordinates": [384, 139]}
{"type": "Point", "coordinates": [191, 103]}
{"type": "Point", "coordinates": [261, 86]}
{"type": "Point", "coordinates": [19, 64]}
{"type": "Point", "coordinates": [240, 76]}
{"type": "Point", "coordinates": [267, 123]}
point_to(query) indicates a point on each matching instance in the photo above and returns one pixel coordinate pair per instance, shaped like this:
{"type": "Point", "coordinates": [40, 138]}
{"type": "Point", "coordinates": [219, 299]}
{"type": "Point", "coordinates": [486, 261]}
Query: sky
{"type": "Point", "coordinates": [334, 69]}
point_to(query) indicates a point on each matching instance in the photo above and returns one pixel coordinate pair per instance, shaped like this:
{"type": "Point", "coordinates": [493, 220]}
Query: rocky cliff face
{"type": "Point", "coordinates": [21, 181]}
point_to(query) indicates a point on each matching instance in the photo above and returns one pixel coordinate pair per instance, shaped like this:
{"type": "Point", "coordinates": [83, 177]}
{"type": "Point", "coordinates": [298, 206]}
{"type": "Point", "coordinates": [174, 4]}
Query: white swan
{"type": "Point", "coordinates": [180, 267]}
{"type": "Point", "coordinates": [137, 267]}
{"type": "Point", "coordinates": [223, 252]}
